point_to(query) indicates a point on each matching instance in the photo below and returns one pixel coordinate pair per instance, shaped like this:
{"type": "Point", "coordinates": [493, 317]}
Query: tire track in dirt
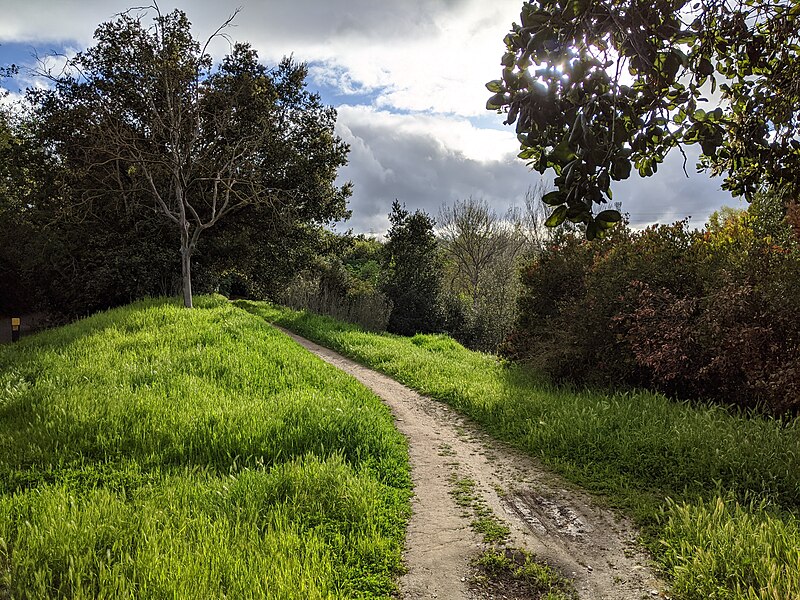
{"type": "Point", "coordinates": [562, 526]}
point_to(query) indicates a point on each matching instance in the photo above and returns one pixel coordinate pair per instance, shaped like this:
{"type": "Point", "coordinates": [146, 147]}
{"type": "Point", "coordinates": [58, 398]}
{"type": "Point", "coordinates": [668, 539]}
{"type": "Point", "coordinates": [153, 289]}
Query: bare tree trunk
{"type": "Point", "coordinates": [186, 262]}
{"type": "Point", "coordinates": [186, 275]}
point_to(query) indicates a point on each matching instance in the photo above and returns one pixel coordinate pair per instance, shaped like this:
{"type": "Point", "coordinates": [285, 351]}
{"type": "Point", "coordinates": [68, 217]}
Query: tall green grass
{"type": "Point", "coordinates": [153, 452]}
{"type": "Point", "coordinates": [720, 549]}
{"type": "Point", "coordinates": [659, 460]}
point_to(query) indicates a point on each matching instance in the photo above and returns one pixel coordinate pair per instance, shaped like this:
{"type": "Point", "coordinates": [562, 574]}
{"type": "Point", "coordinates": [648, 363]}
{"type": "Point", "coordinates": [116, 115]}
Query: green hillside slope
{"type": "Point", "coordinates": [155, 452]}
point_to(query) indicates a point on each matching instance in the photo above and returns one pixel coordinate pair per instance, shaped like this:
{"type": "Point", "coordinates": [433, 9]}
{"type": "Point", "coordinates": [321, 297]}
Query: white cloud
{"type": "Point", "coordinates": [10, 99]}
{"type": "Point", "coordinates": [442, 72]}
{"type": "Point", "coordinates": [42, 68]}
{"type": "Point", "coordinates": [454, 135]}
{"type": "Point", "coordinates": [39, 21]}
{"type": "Point", "coordinates": [424, 161]}
{"type": "Point", "coordinates": [430, 55]}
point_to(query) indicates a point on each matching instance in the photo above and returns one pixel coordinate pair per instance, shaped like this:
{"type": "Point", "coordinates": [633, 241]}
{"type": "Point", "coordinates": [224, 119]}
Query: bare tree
{"type": "Point", "coordinates": [532, 221]}
{"type": "Point", "coordinates": [473, 236]}
{"type": "Point", "coordinates": [485, 251]}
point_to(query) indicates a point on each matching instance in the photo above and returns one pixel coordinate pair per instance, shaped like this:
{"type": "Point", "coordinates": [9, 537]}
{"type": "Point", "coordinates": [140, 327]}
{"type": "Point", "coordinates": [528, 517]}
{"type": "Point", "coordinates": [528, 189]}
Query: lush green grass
{"type": "Point", "coordinates": [154, 452]}
{"type": "Point", "coordinates": [637, 449]}
{"type": "Point", "coordinates": [719, 550]}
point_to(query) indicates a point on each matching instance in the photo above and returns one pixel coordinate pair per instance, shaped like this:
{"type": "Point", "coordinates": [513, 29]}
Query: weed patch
{"type": "Point", "coordinates": [719, 545]}
{"type": "Point", "coordinates": [516, 573]}
{"type": "Point", "coordinates": [466, 495]}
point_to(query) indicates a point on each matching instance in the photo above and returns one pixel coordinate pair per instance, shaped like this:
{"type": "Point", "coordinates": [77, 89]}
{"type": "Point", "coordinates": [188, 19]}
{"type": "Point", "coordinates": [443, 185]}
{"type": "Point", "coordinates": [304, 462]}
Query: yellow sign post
{"type": "Point", "coordinates": [15, 322]}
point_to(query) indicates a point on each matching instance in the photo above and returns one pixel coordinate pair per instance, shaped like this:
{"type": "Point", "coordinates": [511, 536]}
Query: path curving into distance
{"type": "Point", "coordinates": [547, 516]}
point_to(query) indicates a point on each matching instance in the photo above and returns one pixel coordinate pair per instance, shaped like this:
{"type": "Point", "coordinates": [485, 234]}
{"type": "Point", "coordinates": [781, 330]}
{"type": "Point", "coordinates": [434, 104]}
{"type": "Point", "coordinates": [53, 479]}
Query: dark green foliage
{"type": "Point", "coordinates": [412, 272]}
{"type": "Point", "coordinates": [341, 282]}
{"type": "Point", "coordinates": [709, 314]}
{"type": "Point", "coordinates": [115, 256]}
{"type": "Point", "coordinates": [146, 126]}
{"type": "Point", "coordinates": [597, 89]}
{"type": "Point", "coordinates": [264, 249]}
{"type": "Point", "coordinates": [362, 259]}
{"type": "Point", "coordinates": [13, 288]}
{"type": "Point", "coordinates": [69, 257]}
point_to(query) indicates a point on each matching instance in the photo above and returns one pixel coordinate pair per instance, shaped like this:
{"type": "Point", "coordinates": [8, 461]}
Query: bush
{"type": "Point", "coordinates": [331, 290]}
{"type": "Point", "coordinates": [697, 314]}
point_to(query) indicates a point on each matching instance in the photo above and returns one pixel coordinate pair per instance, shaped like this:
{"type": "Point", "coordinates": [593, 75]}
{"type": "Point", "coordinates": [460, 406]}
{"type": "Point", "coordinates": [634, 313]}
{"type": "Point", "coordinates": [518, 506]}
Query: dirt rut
{"type": "Point", "coordinates": [559, 524]}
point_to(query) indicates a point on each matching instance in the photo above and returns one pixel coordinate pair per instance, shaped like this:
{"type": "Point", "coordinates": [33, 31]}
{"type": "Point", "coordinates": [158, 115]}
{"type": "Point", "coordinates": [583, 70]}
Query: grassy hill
{"type": "Point", "coordinates": [153, 452]}
{"type": "Point", "coordinates": [716, 493]}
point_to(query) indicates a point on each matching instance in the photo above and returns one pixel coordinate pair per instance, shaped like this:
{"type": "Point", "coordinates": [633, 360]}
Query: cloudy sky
{"type": "Point", "coordinates": [407, 78]}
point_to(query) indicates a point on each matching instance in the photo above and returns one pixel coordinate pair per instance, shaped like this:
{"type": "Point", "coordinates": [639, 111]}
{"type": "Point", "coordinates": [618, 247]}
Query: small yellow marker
{"type": "Point", "coordinates": [15, 329]}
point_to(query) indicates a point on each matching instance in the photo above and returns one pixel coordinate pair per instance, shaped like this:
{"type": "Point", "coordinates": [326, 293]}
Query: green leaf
{"type": "Point", "coordinates": [558, 216]}
{"type": "Point", "coordinates": [578, 214]}
{"type": "Point", "coordinates": [562, 153]}
{"type": "Point", "coordinates": [705, 67]}
{"type": "Point", "coordinates": [609, 216]}
{"type": "Point", "coordinates": [621, 169]}
{"type": "Point", "coordinates": [534, 19]}
{"type": "Point", "coordinates": [604, 181]}
{"type": "Point", "coordinates": [553, 198]}
{"type": "Point", "coordinates": [495, 86]}
{"type": "Point", "coordinates": [604, 225]}
{"type": "Point", "coordinates": [496, 101]}
{"type": "Point", "coordinates": [709, 147]}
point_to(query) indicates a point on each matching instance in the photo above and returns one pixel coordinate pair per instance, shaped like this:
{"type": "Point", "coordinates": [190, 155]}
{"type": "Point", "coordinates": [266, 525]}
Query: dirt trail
{"type": "Point", "coordinates": [546, 516]}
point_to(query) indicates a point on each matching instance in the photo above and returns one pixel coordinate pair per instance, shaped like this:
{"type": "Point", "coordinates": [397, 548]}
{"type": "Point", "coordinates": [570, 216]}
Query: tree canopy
{"type": "Point", "coordinates": [145, 117]}
{"type": "Point", "coordinates": [412, 266]}
{"type": "Point", "coordinates": [597, 88]}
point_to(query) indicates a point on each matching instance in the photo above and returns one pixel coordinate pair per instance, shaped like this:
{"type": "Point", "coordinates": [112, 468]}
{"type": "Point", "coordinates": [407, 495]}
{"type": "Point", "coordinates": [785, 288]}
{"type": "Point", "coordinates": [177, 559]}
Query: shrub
{"type": "Point", "coordinates": [697, 314]}
{"type": "Point", "coordinates": [331, 290]}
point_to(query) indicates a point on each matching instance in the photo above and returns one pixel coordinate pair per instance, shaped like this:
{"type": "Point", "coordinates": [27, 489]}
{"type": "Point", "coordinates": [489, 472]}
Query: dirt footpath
{"type": "Point", "coordinates": [560, 525]}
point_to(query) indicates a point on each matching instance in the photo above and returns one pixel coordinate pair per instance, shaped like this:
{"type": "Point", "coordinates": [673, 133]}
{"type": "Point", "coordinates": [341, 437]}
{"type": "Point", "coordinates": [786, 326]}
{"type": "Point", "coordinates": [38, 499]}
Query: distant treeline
{"type": "Point", "coordinates": [705, 314]}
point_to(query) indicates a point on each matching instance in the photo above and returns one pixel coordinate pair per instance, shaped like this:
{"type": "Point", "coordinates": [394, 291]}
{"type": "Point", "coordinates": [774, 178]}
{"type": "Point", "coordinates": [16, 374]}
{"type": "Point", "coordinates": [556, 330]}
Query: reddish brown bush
{"type": "Point", "coordinates": [704, 315]}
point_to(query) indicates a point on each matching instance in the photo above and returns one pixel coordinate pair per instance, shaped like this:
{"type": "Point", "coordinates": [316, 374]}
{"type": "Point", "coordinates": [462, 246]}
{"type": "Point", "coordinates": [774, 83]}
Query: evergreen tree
{"type": "Point", "coordinates": [412, 272]}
